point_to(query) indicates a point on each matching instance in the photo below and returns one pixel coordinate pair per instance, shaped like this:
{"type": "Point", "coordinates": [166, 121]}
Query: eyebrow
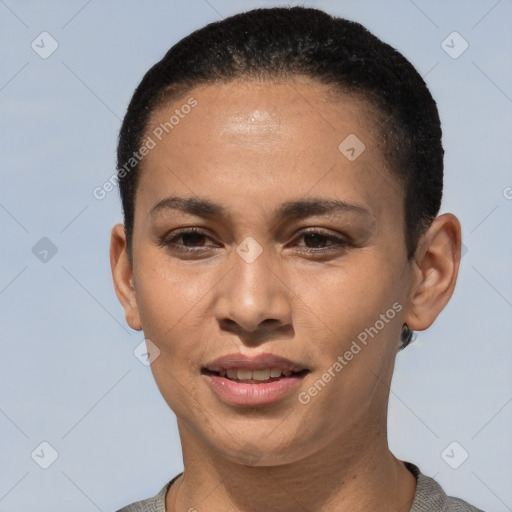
{"type": "Point", "coordinates": [298, 209]}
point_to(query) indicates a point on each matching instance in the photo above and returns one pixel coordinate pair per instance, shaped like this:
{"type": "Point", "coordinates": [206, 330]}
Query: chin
{"type": "Point", "coordinates": [259, 450]}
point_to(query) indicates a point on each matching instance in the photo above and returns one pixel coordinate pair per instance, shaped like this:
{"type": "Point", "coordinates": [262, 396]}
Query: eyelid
{"type": "Point", "coordinates": [337, 240]}
{"type": "Point", "coordinates": [321, 231]}
{"type": "Point", "coordinates": [175, 234]}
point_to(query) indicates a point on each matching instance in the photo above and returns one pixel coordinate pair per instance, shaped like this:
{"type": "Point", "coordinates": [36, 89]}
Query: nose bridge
{"type": "Point", "coordinates": [252, 293]}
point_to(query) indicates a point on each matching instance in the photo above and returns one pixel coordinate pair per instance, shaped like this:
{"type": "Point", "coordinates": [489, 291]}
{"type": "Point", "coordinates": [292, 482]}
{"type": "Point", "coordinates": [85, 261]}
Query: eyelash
{"type": "Point", "coordinates": [170, 242]}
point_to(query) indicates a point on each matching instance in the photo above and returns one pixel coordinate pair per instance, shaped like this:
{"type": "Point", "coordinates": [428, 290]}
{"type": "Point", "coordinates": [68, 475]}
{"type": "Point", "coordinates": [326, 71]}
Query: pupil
{"type": "Point", "coordinates": [316, 239]}
{"type": "Point", "coordinates": [188, 236]}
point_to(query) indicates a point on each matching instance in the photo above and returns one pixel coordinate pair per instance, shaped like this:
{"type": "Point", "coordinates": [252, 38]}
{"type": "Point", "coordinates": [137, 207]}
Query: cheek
{"type": "Point", "coordinates": [169, 300]}
{"type": "Point", "coordinates": [167, 289]}
{"type": "Point", "coordinates": [341, 302]}
{"type": "Point", "coordinates": [169, 297]}
{"type": "Point", "coordinates": [354, 333]}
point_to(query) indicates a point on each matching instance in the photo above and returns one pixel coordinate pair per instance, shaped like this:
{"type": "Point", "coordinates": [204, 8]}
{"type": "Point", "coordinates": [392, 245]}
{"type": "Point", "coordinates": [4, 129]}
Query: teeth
{"type": "Point", "coordinates": [261, 374]}
{"type": "Point", "coordinates": [232, 373]}
{"type": "Point", "coordinates": [244, 374]}
{"type": "Point", "coordinates": [275, 372]}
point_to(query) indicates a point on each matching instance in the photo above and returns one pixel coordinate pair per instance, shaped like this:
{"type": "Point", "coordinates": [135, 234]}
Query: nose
{"type": "Point", "coordinates": [254, 299]}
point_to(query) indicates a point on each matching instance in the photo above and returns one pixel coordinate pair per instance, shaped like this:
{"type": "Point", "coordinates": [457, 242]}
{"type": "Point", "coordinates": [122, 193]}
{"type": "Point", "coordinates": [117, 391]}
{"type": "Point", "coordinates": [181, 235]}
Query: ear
{"type": "Point", "coordinates": [122, 276]}
{"type": "Point", "coordinates": [435, 267]}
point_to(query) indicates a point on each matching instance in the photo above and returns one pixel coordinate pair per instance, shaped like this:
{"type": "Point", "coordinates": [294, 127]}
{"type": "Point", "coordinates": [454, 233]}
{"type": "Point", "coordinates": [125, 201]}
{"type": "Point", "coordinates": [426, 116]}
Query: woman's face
{"type": "Point", "coordinates": [273, 270]}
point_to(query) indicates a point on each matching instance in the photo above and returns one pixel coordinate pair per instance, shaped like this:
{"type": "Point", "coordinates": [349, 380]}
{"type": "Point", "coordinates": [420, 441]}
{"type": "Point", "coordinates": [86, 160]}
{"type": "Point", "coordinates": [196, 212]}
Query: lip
{"type": "Point", "coordinates": [256, 362]}
{"type": "Point", "coordinates": [253, 393]}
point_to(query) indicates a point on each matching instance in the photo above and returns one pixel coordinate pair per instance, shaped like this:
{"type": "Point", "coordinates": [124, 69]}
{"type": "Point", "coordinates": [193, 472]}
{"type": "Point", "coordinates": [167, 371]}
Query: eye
{"type": "Point", "coordinates": [192, 240]}
{"type": "Point", "coordinates": [317, 241]}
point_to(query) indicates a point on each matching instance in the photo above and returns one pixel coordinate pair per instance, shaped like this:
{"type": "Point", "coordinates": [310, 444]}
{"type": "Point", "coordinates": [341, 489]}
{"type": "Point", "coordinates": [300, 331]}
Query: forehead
{"type": "Point", "coordinates": [266, 140]}
{"type": "Point", "coordinates": [245, 110]}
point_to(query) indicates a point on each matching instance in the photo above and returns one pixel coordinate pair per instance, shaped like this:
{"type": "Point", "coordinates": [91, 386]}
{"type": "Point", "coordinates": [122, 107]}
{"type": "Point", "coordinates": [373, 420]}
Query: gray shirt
{"type": "Point", "coordinates": [429, 497]}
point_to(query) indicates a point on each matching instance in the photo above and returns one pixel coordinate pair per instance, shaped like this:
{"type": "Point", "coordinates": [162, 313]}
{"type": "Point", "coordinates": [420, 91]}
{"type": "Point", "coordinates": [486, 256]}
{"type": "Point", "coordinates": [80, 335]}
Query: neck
{"type": "Point", "coordinates": [356, 473]}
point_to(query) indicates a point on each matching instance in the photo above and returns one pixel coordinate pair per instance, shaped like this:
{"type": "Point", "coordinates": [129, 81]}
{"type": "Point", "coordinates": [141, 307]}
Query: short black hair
{"type": "Point", "coordinates": [281, 43]}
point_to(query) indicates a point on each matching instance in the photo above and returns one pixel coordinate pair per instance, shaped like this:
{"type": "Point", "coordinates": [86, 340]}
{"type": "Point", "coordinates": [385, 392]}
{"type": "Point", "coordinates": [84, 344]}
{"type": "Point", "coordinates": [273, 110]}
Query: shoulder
{"type": "Point", "coordinates": [430, 497]}
{"type": "Point", "coordinates": [154, 504]}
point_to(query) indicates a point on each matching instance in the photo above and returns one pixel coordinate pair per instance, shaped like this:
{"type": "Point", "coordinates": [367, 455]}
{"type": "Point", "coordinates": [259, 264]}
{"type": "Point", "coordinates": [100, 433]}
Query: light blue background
{"type": "Point", "coordinates": [68, 373]}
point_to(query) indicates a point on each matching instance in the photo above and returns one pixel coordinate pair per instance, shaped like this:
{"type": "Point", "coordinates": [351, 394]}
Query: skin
{"type": "Point", "coordinates": [251, 147]}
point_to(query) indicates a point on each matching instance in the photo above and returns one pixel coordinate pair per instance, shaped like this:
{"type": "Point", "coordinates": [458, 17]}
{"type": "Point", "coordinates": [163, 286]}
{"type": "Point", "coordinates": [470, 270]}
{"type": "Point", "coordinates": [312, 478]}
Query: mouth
{"type": "Point", "coordinates": [254, 376]}
{"type": "Point", "coordinates": [251, 381]}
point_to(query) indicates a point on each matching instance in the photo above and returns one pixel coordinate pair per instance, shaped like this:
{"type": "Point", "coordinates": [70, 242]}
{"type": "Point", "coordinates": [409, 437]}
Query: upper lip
{"type": "Point", "coordinates": [256, 362]}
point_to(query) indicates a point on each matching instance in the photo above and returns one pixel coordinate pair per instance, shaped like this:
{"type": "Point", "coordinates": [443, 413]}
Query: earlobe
{"type": "Point", "coordinates": [436, 266]}
{"type": "Point", "coordinates": [122, 276]}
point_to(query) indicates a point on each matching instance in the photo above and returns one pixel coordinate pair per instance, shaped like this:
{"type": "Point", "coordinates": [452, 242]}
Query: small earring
{"type": "Point", "coordinates": [406, 337]}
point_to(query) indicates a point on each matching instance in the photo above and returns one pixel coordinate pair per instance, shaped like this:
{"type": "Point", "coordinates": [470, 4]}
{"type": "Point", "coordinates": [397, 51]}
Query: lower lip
{"type": "Point", "coordinates": [239, 393]}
